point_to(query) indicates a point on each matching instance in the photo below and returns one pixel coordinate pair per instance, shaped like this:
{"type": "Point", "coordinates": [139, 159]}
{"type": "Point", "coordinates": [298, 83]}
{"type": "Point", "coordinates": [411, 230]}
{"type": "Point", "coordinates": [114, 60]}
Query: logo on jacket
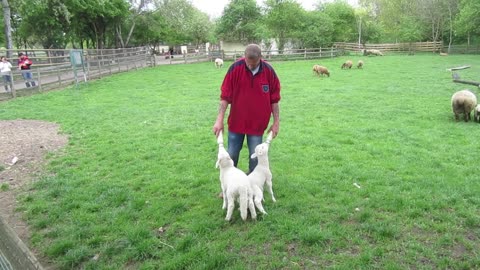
{"type": "Point", "coordinates": [265, 88]}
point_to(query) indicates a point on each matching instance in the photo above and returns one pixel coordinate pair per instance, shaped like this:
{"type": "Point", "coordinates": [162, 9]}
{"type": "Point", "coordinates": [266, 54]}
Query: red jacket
{"type": "Point", "coordinates": [24, 62]}
{"type": "Point", "coordinates": [250, 97]}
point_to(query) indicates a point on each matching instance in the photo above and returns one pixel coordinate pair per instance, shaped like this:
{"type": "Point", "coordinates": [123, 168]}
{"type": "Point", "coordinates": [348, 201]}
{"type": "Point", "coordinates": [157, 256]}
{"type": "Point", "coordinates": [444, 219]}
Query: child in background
{"type": "Point", "coordinates": [6, 72]}
{"type": "Point", "coordinates": [24, 65]}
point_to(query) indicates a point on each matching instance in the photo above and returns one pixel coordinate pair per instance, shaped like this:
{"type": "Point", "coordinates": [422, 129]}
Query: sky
{"type": "Point", "coordinates": [214, 8]}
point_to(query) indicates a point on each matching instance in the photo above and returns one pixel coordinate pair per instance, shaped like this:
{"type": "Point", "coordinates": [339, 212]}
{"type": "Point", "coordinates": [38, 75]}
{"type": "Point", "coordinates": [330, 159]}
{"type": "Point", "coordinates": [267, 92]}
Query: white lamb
{"type": "Point", "coordinates": [261, 175]}
{"type": "Point", "coordinates": [235, 185]}
{"type": "Point", "coordinates": [218, 63]}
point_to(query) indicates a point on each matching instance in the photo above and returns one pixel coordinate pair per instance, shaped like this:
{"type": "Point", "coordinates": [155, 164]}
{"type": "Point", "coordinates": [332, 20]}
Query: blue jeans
{"type": "Point", "coordinates": [235, 144]}
{"type": "Point", "coordinates": [27, 76]}
{"type": "Point", "coordinates": [7, 80]}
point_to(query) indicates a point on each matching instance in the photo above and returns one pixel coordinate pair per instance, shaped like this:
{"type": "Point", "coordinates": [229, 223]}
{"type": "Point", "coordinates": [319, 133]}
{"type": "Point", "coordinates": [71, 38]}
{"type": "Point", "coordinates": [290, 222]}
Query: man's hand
{"type": "Point", "coordinates": [275, 128]}
{"type": "Point", "coordinates": [217, 127]}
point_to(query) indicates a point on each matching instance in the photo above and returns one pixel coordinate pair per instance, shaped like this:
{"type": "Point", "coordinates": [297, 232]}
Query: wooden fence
{"type": "Point", "coordinates": [58, 68]}
{"type": "Point", "coordinates": [288, 54]}
{"type": "Point", "coordinates": [271, 55]}
{"type": "Point", "coordinates": [54, 69]}
{"type": "Point", "coordinates": [400, 48]}
{"type": "Point", "coordinates": [462, 49]}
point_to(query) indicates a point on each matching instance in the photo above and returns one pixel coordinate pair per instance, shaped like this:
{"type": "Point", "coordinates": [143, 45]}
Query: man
{"type": "Point", "coordinates": [24, 65]}
{"type": "Point", "coordinates": [252, 89]}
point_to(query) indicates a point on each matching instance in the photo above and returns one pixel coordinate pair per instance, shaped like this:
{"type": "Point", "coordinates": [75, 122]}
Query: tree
{"type": "Point", "coordinates": [137, 10]}
{"type": "Point", "coordinates": [432, 13]}
{"type": "Point", "coordinates": [240, 21]}
{"type": "Point", "coordinates": [199, 27]}
{"type": "Point", "coordinates": [284, 18]}
{"type": "Point", "coordinates": [94, 20]}
{"type": "Point", "coordinates": [151, 29]}
{"type": "Point", "coordinates": [45, 22]}
{"type": "Point", "coordinates": [8, 27]}
{"type": "Point", "coordinates": [343, 18]}
{"type": "Point", "coordinates": [316, 31]}
{"type": "Point", "coordinates": [468, 19]}
{"type": "Point", "coordinates": [452, 6]}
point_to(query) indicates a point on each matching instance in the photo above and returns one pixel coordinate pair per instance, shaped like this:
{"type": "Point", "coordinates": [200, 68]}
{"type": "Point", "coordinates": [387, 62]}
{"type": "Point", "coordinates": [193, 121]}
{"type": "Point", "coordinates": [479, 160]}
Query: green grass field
{"type": "Point", "coordinates": [141, 157]}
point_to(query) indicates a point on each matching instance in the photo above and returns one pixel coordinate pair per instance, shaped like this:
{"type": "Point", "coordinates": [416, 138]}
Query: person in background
{"type": "Point", "coordinates": [24, 65]}
{"type": "Point", "coordinates": [252, 89]}
{"type": "Point", "coordinates": [6, 71]}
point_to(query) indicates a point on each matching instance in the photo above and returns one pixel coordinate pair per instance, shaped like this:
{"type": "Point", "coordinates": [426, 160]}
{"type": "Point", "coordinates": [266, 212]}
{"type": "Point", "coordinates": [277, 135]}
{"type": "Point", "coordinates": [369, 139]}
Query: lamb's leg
{"type": "Point", "coordinates": [231, 206]}
{"type": "Point", "coordinates": [258, 204]}
{"type": "Point", "coordinates": [269, 186]}
{"type": "Point", "coordinates": [251, 207]}
{"type": "Point", "coordinates": [224, 206]}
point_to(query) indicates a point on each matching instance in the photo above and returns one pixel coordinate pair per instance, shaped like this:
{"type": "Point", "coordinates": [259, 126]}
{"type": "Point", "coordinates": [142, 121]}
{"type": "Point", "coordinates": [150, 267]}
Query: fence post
{"type": "Point", "coordinates": [12, 85]}
{"type": "Point", "coordinates": [305, 53]}
{"type": "Point", "coordinates": [99, 66]}
{"type": "Point", "coordinates": [110, 64]}
{"type": "Point", "coordinates": [59, 78]}
{"type": "Point", "coordinates": [118, 63]}
{"type": "Point", "coordinates": [39, 80]}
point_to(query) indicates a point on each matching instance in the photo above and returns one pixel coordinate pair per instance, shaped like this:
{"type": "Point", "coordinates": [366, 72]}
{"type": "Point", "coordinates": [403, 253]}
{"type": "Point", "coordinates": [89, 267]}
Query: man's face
{"type": "Point", "coordinates": [252, 63]}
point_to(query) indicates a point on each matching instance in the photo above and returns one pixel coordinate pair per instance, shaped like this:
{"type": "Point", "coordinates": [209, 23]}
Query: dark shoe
{"type": "Point", "coordinates": [27, 84]}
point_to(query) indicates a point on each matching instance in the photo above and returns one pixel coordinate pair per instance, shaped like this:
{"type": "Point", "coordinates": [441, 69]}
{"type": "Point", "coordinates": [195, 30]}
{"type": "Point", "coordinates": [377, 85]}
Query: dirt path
{"type": "Point", "coordinates": [23, 146]}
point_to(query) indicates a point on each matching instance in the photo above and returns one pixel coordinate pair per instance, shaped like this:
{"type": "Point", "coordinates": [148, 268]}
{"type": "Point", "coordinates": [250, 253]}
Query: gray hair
{"type": "Point", "coordinates": [253, 51]}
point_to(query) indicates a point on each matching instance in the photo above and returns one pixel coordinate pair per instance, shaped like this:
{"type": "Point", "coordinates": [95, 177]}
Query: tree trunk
{"type": "Point", "coordinates": [359, 32]}
{"type": "Point", "coordinates": [8, 27]}
{"type": "Point", "coordinates": [118, 30]}
{"type": "Point", "coordinates": [130, 34]}
{"type": "Point", "coordinates": [451, 28]}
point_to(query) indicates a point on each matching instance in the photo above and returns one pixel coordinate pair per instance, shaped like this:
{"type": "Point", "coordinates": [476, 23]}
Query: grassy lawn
{"type": "Point", "coordinates": [136, 187]}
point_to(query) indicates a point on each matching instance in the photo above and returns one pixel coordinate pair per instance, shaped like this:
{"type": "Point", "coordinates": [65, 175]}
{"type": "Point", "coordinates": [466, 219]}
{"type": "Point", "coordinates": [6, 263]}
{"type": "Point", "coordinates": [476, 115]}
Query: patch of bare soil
{"type": "Point", "coordinates": [23, 147]}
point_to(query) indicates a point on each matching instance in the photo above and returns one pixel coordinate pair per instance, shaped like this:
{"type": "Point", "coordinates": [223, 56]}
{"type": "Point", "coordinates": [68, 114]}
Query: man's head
{"type": "Point", "coordinates": [21, 55]}
{"type": "Point", "coordinates": [253, 53]}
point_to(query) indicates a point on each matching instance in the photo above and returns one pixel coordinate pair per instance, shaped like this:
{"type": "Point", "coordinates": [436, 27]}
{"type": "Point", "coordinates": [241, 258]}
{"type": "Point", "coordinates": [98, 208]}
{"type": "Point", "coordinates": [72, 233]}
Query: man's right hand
{"type": "Point", "coordinates": [217, 127]}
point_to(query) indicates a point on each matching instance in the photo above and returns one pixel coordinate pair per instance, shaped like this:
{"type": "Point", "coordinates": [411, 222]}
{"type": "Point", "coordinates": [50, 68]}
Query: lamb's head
{"type": "Point", "coordinates": [476, 113]}
{"type": "Point", "coordinates": [223, 160]}
{"type": "Point", "coordinates": [262, 149]}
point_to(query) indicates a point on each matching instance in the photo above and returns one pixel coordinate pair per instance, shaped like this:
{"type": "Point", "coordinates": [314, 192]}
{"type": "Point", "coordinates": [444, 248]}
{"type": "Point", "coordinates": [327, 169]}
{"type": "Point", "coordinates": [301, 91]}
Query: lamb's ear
{"type": "Point", "coordinates": [254, 155]}
{"type": "Point", "coordinates": [216, 164]}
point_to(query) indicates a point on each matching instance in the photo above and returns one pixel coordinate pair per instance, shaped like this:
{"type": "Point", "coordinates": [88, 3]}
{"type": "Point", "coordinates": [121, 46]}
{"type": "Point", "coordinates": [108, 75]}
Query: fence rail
{"type": "Point", "coordinates": [54, 68]}
{"type": "Point", "coordinates": [285, 55]}
{"type": "Point", "coordinates": [410, 48]}
{"type": "Point", "coordinates": [462, 49]}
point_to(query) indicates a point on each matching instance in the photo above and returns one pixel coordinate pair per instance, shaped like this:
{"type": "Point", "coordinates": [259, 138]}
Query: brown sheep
{"type": "Point", "coordinates": [463, 102]}
{"type": "Point", "coordinates": [347, 64]}
{"type": "Point", "coordinates": [320, 70]}
{"type": "Point", "coordinates": [360, 64]}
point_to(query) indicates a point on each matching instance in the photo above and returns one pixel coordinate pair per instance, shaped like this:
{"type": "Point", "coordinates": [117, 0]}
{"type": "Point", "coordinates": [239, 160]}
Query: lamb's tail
{"type": "Point", "coordinates": [244, 203]}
